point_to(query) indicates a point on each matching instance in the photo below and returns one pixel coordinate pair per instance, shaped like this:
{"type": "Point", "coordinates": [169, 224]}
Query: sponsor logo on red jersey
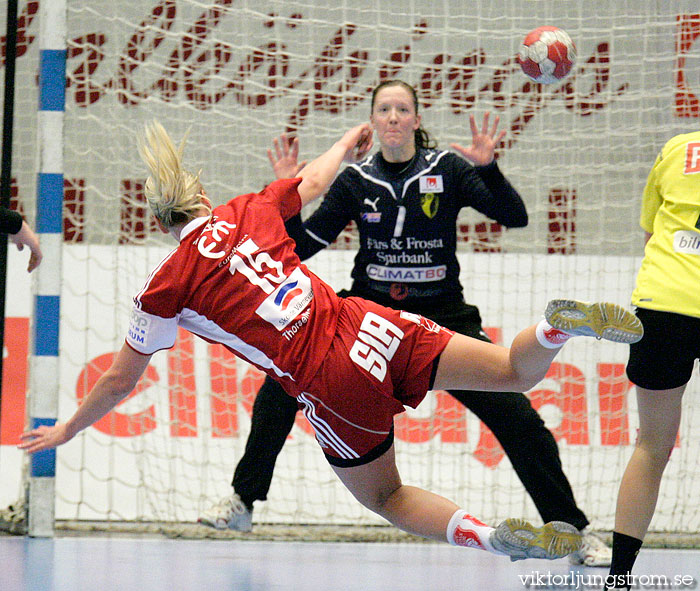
{"type": "Point", "coordinates": [426, 323]}
{"type": "Point", "coordinates": [287, 301]}
{"type": "Point", "coordinates": [138, 327]}
{"type": "Point", "coordinates": [286, 294]}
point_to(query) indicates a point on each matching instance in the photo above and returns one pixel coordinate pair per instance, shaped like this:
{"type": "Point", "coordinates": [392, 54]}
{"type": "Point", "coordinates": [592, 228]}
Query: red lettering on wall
{"type": "Point", "coordinates": [24, 20]}
{"type": "Point", "coordinates": [197, 61]}
{"type": "Point", "coordinates": [483, 236]}
{"type": "Point", "coordinates": [136, 218]}
{"type": "Point", "coordinates": [561, 238]}
{"type": "Point", "coordinates": [15, 201]}
{"type": "Point", "coordinates": [488, 449]}
{"type": "Point", "coordinates": [89, 47]}
{"type": "Point", "coordinates": [571, 401]}
{"type": "Point", "coordinates": [533, 97]}
{"type": "Point", "coordinates": [613, 389]}
{"type": "Point", "coordinates": [196, 64]}
{"type": "Point", "coordinates": [146, 39]}
{"type": "Point", "coordinates": [115, 423]}
{"type": "Point", "coordinates": [687, 33]}
{"type": "Point", "coordinates": [461, 76]}
{"type": "Point", "coordinates": [226, 393]}
{"type": "Point", "coordinates": [250, 384]}
{"type": "Point", "coordinates": [181, 386]}
{"type": "Point", "coordinates": [14, 380]}
{"type": "Point", "coordinates": [73, 210]}
{"type": "Point", "coordinates": [224, 386]}
{"type": "Point", "coordinates": [448, 421]}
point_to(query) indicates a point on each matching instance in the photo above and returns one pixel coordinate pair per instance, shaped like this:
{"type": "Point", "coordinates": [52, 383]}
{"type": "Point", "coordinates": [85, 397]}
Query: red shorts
{"type": "Point", "coordinates": [380, 360]}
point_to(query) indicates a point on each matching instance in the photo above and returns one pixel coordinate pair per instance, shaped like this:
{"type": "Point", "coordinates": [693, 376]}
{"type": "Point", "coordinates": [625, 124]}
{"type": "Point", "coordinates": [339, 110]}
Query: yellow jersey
{"type": "Point", "coordinates": [670, 272]}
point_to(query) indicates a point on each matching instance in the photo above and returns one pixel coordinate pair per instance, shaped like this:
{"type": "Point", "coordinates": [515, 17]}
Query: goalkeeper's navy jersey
{"type": "Point", "coordinates": [407, 221]}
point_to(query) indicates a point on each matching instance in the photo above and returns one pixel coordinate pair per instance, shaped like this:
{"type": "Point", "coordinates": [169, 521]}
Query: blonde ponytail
{"type": "Point", "coordinates": [173, 193]}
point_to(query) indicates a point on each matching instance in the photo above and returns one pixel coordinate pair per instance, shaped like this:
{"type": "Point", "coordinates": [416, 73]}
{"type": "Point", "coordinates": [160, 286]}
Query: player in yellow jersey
{"type": "Point", "coordinates": [660, 367]}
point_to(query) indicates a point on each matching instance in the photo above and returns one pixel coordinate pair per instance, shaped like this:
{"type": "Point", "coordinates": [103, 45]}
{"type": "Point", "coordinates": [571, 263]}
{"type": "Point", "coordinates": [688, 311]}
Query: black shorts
{"type": "Point", "coordinates": [665, 356]}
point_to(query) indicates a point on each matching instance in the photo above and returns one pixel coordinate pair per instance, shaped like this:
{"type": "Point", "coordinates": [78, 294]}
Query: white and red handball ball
{"type": "Point", "coordinates": [547, 55]}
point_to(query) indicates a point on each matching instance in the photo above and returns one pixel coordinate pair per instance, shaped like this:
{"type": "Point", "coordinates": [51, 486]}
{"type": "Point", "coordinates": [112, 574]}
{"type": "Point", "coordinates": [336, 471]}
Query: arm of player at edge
{"type": "Point", "coordinates": [128, 366]}
{"type": "Point", "coordinates": [110, 389]}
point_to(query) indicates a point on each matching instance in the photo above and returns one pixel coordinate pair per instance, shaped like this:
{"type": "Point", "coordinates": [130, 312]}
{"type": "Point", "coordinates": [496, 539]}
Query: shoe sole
{"type": "Point", "coordinates": [225, 526]}
{"type": "Point", "coordinates": [602, 320]}
{"type": "Point", "coordinates": [211, 524]}
{"type": "Point", "coordinates": [520, 539]}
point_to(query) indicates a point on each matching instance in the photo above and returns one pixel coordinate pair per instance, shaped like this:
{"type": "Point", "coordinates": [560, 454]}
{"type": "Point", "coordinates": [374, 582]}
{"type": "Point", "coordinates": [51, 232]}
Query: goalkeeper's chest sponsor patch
{"type": "Point", "coordinates": [372, 217]}
{"type": "Point", "coordinates": [407, 274]}
{"type": "Point", "coordinates": [430, 184]}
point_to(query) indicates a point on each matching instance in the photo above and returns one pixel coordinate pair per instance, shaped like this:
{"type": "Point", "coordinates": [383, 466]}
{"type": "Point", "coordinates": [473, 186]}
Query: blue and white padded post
{"type": "Point", "coordinates": [44, 368]}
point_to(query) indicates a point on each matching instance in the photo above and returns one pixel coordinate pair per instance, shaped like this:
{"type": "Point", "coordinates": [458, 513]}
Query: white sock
{"type": "Point", "coordinates": [465, 530]}
{"type": "Point", "coordinates": [550, 337]}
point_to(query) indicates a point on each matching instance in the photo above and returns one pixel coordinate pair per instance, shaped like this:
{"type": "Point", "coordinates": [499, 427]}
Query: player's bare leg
{"type": "Point", "coordinates": [377, 485]}
{"type": "Point", "coordinates": [470, 364]}
{"type": "Point", "coordinates": [659, 418]}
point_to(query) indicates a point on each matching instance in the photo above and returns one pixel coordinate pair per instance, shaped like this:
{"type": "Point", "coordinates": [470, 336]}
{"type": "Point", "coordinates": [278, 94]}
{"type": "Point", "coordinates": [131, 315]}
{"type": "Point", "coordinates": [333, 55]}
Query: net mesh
{"type": "Point", "coordinates": [236, 74]}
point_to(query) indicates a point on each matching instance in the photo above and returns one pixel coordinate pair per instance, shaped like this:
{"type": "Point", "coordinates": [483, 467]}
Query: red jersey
{"type": "Point", "coordinates": [234, 279]}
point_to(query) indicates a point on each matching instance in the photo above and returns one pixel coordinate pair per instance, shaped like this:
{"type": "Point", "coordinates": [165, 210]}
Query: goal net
{"type": "Point", "coordinates": [236, 74]}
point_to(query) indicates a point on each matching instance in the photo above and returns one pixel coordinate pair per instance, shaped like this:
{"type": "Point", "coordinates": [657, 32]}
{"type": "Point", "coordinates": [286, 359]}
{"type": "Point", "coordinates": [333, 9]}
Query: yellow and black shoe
{"type": "Point", "coordinates": [602, 320]}
{"type": "Point", "coordinates": [520, 539]}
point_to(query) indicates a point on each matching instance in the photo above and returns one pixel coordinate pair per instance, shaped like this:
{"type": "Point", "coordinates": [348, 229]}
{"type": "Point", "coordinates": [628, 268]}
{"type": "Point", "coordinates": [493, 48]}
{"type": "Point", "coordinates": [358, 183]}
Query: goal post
{"type": "Point", "coordinates": [236, 74]}
{"type": "Point", "coordinates": [44, 370]}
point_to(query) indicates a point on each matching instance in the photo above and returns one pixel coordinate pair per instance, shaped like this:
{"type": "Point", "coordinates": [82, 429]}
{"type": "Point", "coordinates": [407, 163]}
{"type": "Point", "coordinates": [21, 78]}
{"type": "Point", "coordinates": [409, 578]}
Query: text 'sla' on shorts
{"type": "Point", "coordinates": [380, 360]}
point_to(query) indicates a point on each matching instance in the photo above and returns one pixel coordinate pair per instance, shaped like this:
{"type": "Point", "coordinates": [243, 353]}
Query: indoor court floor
{"type": "Point", "coordinates": [155, 564]}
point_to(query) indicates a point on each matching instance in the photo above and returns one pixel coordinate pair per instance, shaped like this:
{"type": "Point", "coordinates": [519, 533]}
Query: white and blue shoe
{"type": "Point", "coordinates": [519, 539]}
{"type": "Point", "coordinates": [602, 320]}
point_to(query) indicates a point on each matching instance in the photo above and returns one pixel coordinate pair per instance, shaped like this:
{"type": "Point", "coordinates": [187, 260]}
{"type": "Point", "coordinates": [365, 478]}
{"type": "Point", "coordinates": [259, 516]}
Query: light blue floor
{"type": "Point", "coordinates": [147, 564]}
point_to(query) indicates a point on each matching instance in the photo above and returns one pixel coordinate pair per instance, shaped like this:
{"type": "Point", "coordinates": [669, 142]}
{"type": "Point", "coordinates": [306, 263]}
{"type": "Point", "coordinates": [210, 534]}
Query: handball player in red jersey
{"type": "Point", "coordinates": [235, 279]}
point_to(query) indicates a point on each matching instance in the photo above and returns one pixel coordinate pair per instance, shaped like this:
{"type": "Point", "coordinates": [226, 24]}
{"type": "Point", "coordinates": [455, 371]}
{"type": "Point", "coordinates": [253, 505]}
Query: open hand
{"type": "Point", "coordinates": [484, 142]}
{"type": "Point", "coordinates": [359, 140]}
{"type": "Point", "coordinates": [27, 237]}
{"type": "Point", "coordinates": [44, 437]}
{"type": "Point", "coordinates": [284, 161]}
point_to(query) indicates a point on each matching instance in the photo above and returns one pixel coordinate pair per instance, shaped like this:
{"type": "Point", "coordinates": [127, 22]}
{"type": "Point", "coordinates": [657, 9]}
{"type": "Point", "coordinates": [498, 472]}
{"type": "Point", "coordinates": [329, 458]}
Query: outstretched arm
{"type": "Point", "coordinates": [494, 196]}
{"type": "Point", "coordinates": [319, 173]}
{"type": "Point", "coordinates": [328, 220]}
{"type": "Point", "coordinates": [113, 386]}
